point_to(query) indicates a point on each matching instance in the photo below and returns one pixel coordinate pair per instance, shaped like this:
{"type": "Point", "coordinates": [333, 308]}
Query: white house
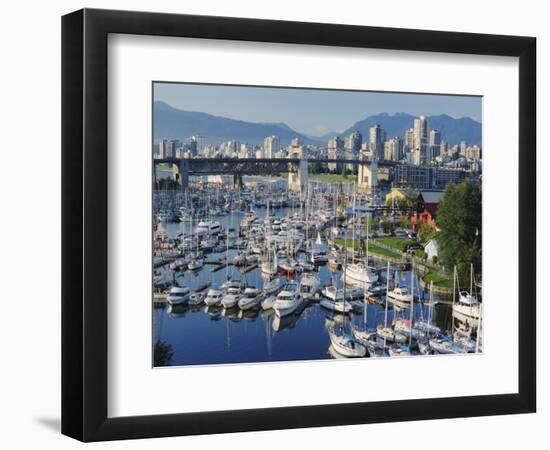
{"type": "Point", "coordinates": [431, 249]}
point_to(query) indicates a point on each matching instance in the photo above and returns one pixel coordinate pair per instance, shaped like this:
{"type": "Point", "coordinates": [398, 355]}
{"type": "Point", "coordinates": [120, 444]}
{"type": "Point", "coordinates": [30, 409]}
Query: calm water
{"type": "Point", "coordinates": [202, 335]}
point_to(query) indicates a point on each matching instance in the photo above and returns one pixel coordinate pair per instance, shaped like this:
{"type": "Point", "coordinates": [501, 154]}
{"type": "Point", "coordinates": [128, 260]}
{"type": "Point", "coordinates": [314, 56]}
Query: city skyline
{"type": "Point", "coordinates": [305, 110]}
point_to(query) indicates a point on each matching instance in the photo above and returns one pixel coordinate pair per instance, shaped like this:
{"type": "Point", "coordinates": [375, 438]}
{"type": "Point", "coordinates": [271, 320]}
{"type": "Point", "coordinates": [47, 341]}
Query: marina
{"type": "Point", "coordinates": [257, 273]}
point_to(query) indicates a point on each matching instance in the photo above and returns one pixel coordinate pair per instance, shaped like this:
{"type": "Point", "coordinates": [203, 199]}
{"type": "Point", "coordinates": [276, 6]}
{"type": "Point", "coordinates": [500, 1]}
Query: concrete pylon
{"type": "Point", "coordinates": [367, 176]}
{"type": "Point", "coordinates": [184, 173]}
{"type": "Point", "coordinates": [298, 181]}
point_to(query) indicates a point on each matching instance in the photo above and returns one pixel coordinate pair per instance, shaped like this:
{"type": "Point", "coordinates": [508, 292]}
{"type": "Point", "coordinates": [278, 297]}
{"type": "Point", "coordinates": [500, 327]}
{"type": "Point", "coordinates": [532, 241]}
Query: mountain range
{"type": "Point", "coordinates": [173, 123]}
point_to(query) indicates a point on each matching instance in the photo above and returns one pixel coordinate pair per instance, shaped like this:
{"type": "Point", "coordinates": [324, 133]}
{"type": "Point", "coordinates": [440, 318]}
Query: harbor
{"type": "Point", "coordinates": [259, 273]}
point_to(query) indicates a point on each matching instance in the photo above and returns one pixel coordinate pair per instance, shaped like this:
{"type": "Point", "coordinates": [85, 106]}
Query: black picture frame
{"type": "Point", "coordinates": [84, 224]}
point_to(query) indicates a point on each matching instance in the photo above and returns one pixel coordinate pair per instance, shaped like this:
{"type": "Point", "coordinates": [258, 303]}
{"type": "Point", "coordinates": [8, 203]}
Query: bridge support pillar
{"type": "Point", "coordinates": [297, 181]}
{"type": "Point", "coordinates": [367, 176]}
{"type": "Point", "coordinates": [184, 173]}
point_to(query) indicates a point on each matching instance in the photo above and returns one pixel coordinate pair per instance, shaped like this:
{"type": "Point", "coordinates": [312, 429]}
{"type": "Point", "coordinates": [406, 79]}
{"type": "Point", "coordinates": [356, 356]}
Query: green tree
{"type": "Point", "coordinates": [459, 221]}
{"type": "Point", "coordinates": [425, 232]}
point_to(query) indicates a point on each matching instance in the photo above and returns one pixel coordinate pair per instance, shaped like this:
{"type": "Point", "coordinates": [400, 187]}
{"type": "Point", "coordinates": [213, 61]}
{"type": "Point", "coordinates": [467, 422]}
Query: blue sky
{"type": "Point", "coordinates": [310, 111]}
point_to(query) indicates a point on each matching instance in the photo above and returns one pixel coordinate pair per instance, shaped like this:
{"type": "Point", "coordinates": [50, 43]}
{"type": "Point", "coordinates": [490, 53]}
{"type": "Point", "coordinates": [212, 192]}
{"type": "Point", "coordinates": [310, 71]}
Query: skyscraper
{"type": "Point", "coordinates": [377, 136]}
{"type": "Point", "coordinates": [335, 151]}
{"type": "Point", "coordinates": [393, 149]}
{"type": "Point", "coordinates": [271, 146]}
{"type": "Point", "coordinates": [420, 140]}
{"type": "Point", "coordinates": [434, 144]}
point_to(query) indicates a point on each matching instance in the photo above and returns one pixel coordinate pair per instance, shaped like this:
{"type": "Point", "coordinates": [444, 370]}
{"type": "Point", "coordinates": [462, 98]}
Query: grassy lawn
{"type": "Point", "coordinates": [438, 279]}
{"type": "Point", "coordinates": [399, 243]}
{"type": "Point", "coordinates": [373, 248]}
{"type": "Point", "coordinates": [333, 178]}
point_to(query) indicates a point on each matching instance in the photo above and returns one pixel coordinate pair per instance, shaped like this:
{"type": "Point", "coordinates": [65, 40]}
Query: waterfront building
{"type": "Point", "coordinates": [428, 177]}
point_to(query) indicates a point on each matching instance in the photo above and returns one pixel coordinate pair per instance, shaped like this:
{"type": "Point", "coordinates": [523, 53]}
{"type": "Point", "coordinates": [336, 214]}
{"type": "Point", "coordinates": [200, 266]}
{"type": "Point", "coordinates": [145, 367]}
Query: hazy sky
{"type": "Point", "coordinates": [310, 111]}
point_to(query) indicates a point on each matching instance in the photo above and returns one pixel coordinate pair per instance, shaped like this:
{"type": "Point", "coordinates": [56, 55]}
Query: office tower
{"type": "Point", "coordinates": [271, 146]}
{"type": "Point", "coordinates": [393, 149]}
{"type": "Point", "coordinates": [434, 145]}
{"type": "Point", "coordinates": [420, 139]}
{"type": "Point", "coordinates": [377, 136]}
{"type": "Point", "coordinates": [408, 140]}
{"type": "Point", "coordinates": [335, 151]}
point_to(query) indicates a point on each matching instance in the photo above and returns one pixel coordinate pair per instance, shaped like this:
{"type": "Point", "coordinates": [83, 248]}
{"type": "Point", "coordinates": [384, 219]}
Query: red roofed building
{"type": "Point", "coordinates": [426, 209]}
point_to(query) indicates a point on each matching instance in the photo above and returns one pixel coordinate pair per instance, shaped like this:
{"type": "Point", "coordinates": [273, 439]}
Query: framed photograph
{"type": "Point", "coordinates": [273, 224]}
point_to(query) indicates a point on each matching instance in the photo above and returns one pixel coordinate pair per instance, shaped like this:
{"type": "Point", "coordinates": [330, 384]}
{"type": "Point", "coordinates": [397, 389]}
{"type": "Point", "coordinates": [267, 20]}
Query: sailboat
{"type": "Point", "coordinates": [447, 345]}
{"type": "Point", "coordinates": [388, 334]}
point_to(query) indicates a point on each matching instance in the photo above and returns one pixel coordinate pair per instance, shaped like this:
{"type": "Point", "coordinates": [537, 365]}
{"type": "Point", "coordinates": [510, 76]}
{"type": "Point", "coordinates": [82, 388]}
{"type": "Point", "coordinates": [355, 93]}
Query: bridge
{"type": "Point", "coordinates": [296, 168]}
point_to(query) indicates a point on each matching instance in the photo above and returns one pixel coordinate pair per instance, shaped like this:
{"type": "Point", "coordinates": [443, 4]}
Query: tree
{"type": "Point", "coordinates": [459, 221]}
{"type": "Point", "coordinates": [426, 232]}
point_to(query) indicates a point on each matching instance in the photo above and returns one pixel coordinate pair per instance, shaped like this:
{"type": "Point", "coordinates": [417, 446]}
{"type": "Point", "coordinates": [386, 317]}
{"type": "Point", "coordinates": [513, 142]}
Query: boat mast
{"type": "Point", "coordinates": [411, 315]}
{"type": "Point", "coordinates": [453, 308]}
{"type": "Point", "coordinates": [386, 307]}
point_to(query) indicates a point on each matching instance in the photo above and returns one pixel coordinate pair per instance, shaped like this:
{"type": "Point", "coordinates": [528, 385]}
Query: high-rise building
{"type": "Point", "coordinates": [463, 146]}
{"type": "Point", "coordinates": [473, 153]}
{"type": "Point", "coordinates": [335, 151]}
{"type": "Point", "coordinates": [167, 148]}
{"type": "Point", "coordinates": [434, 145]}
{"type": "Point", "coordinates": [271, 146]}
{"type": "Point", "coordinates": [393, 149]}
{"type": "Point", "coordinates": [420, 140]}
{"type": "Point", "coordinates": [353, 144]}
{"type": "Point", "coordinates": [408, 140]}
{"type": "Point", "coordinates": [377, 136]}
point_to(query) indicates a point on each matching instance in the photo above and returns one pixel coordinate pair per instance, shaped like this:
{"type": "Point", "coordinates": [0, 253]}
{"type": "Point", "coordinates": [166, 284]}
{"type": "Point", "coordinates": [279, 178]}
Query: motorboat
{"type": "Point", "coordinates": [401, 297]}
{"type": "Point", "coordinates": [467, 307]}
{"type": "Point", "coordinates": [359, 274]}
{"type": "Point", "coordinates": [309, 284]}
{"type": "Point", "coordinates": [333, 293]}
{"type": "Point", "coordinates": [214, 297]}
{"type": "Point", "coordinates": [288, 300]}
{"type": "Point", "coordinates": [196, 298]}
{"type": "Point", "coordinates": [230, 300]}
{"type": "Point", "coordinates": [251, 298]}
{"type": "Point", "coordinates": [178, 295]}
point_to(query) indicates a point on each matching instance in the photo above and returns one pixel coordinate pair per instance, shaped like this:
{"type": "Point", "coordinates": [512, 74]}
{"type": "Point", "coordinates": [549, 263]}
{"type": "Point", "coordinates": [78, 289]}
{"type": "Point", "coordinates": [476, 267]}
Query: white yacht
{"type": "Point", "coordinates": [251, 298]}
{"type": "Point", "coordinates": [400, 296]}
{"type": "Point", "coordinates": [196, 298]}
{"type": "Point", "coordinates": [309, 284]}
{"type": "Point", "coordinates": [333, 293]}
{"type": "Point", "coordinates": [359, 274]}
{"type": "Point", "coordinates": [467, 307]}
{"type": "Point", "coordinates": [178, 295]}
{"type": "Point", "coordinates": [214, 297]}
{"type": "Point", "coordinates": [208, 227]}
{"type": "Point", "coordinates": [288, 300]}
{"type": "Point", "coordinates": [230, 300]}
